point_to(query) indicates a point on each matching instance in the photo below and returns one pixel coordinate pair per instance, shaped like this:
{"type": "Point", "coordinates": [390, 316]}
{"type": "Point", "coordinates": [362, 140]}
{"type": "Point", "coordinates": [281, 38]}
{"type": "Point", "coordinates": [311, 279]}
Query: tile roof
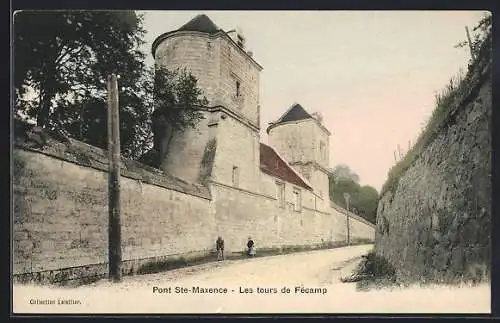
{"type": "Point", "coordinates": [272, 164]}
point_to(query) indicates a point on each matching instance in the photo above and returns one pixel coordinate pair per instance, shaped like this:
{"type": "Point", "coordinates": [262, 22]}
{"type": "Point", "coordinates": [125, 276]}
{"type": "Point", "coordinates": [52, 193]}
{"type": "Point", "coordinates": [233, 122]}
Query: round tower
{"type": "Point", "coordinates": [192, 47]}
{"type": "Point", "coordinates": [229, 79]}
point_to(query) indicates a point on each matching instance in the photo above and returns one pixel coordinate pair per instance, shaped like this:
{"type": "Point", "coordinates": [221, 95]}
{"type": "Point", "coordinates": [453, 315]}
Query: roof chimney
{"type": "Point", "coordinates": [239, 38]}
{"type": "Point", "coordinates": [317, 116]}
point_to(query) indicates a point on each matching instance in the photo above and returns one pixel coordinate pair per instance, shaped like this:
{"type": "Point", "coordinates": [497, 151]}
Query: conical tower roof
{"type": "Point", "coordinates": [200, 23]}
{"type": "Point", "coordinates": [296, 112]}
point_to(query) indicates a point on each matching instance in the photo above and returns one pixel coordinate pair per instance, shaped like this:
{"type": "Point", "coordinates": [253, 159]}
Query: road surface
{"type": "Point", "coordinates": [305, 282]}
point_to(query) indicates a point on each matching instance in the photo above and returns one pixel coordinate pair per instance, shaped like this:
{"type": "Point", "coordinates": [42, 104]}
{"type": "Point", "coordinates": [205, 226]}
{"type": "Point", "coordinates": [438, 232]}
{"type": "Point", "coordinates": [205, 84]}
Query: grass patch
{"type": "Point", "coordinates": [156, 266]}
{"type": "Point", "coordinates": [372, 271]}
{"type": "Point", "coordinates": [444, 105]}
{"type": "Point", "coordinates": [445, 101]}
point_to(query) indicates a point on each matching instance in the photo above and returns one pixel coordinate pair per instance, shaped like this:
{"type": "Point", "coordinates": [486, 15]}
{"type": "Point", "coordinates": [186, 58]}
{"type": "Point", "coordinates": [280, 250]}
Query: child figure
{"type": "Point", "coordinates": [251, 247]}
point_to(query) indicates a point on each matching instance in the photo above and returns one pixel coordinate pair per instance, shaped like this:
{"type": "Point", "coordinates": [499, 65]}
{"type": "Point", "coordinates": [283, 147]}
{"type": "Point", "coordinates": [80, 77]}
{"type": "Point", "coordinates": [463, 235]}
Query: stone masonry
{"type": "Point", "coordinates": [215, 181]}
{"type": "Point", "coordinates": [435, 224]}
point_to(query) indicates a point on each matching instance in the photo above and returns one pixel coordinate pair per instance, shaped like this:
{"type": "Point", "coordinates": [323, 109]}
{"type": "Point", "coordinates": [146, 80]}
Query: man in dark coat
{"type": "Point", "coordinates": [219, 244]}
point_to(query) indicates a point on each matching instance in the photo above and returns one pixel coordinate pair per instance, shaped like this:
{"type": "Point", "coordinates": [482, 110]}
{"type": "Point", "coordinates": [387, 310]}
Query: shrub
{"type": "Point", "coordinates": [156, 266]}
{"type": "Point", "coordinates": [373, 270]}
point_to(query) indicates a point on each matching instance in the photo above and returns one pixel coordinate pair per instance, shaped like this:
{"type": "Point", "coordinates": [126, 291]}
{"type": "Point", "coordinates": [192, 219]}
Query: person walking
{"type": "Point", "coordinates": [219, 244]}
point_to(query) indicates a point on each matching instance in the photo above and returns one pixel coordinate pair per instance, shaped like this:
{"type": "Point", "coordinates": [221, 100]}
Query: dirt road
{"type": "Point", "coordinates": [295, 283]}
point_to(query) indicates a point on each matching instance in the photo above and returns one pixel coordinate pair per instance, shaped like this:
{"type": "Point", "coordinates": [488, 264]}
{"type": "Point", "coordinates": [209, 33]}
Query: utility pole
{"type": "Point", "coordinates": [346, 198]}
{"type": "Point", "coordinates": [470, 43]}
{"type": "Point", "coordinates": [114, 226]}
{"type": "Point", "coordinates": [278, 228]}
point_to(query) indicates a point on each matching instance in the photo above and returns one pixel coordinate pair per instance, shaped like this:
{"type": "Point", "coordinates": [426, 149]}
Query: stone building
{"type": "Point", "coordinates": [229, 77]}
{"type": "Point", "coordinates": [217, 180]}
{"type": "Point", "coordinates": [225, 149]}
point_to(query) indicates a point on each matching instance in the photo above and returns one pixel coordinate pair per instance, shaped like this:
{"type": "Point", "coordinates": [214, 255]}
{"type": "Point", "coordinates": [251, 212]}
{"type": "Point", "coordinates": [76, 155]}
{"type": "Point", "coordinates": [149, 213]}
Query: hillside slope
{"type": "Point", "coordinates": [434, 221]}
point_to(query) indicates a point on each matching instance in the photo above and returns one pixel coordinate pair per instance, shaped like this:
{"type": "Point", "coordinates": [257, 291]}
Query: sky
{"type": "Point", "coordinates": [372, 75]}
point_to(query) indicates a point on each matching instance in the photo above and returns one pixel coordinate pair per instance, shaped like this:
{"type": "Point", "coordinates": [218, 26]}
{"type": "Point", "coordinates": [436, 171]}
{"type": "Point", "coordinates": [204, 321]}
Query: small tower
{"type": "Point", "coordinates": [303, 141]}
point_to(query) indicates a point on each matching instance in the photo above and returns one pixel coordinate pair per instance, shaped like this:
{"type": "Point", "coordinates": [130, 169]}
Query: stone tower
{"type": "Point", "coordinates": [225, 145]}
{"type": "Point", "coordinates": [303, 142]}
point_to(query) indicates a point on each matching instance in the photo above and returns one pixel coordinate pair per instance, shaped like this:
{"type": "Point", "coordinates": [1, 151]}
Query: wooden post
{"type": "Point", "coordinates": [470, 43]}
{"type": "Point", "coordinates": [114, 227]}
{"type": "Point", "coordinates": [348, 225]}
{"type": "Point", "coordinates": [278, 229]}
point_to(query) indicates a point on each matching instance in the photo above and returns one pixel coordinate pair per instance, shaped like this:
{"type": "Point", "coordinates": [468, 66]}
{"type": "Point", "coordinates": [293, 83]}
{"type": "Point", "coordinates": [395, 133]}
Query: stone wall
{"type": "Point", "coordinates": [60, 189]}
{"type": "Point", "coordinates": [240, 213]}
{"type": "Point", "coordinates": [321, 182]}
{"type": "Point", "coordinates": [237, 146]}
{"type": "Point", "coordinates": [360, 229]}
{"type": "Point", "coordinates": [60, 215]}
{"type": "Point", "coordinates": [435, 224]}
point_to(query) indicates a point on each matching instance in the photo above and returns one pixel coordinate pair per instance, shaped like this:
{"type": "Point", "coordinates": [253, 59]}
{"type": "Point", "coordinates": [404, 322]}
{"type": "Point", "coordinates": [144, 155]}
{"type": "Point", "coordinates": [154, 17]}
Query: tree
{"type": "Point", "coordinates": [176, 100]}
{"type": "Point", "coordinates": [341, 186]}
{"type": "Point", "coordinates": [364, 199]}
{"type": "Point", "coordinates": [64, 57]}
{"type": "Point", "coordinates": [343, 172]}
{"type": "Point", "coordinates": [366, 203]}
{"type": "Point", "coordinates": [343, 180]}
{"type": "Point", "coordinates": [482, 36]}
